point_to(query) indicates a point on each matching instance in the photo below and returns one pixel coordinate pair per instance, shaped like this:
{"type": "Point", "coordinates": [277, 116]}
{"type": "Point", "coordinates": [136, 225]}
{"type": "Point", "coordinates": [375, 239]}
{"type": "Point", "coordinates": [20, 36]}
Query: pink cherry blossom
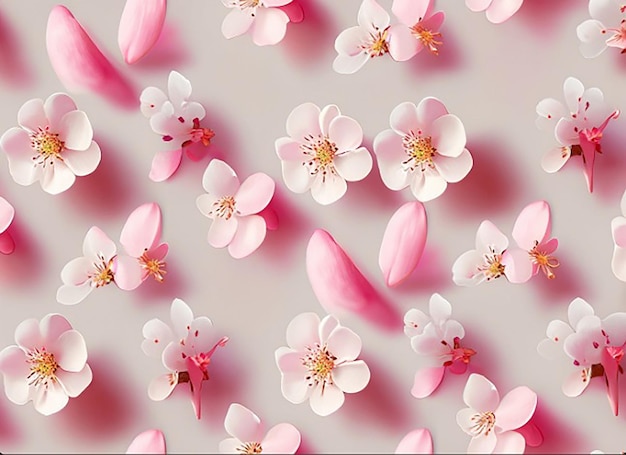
{"type": "Point", "coordinates": [606, 28]}
{"type": "Point", "coordinates": [320, 363]}
{"type": "Point", "coordinates": [532, 235]}
{"type": "Point", "coordinates": [418, 29]}
{"type": "Point", "coordinates": [424, 149]}
{"type": "Point", "coordinates": [263, 19]}
{"type": "Point", "coordinates": [48, 364]}
{"type": "Point", "coordinates": [618, 230]}
{"type": "Point", "coordinates": [368, 40]}
{"type": "Point", "coordinates": [95, 269]}
{"type": "Point", "coordinates": [492, 422]}
{"type": "Point", "coordinates": [436, 337]}
{"type": "Point", "coordinates": [140, 27]}
{"type": "Point", "coordinates": [7, 212]}
{"type": "Point", "coordinates": [248, 434]}
{"type": "Point", "coordinates": [141, 239]}
{"type": "Point", "coordinates": [53, 144]}
{"type": "Point", "coordinates": [578, 126]}
{"type": "Point", "coordinates": [148, 442]}
{"type": "Point", "coordinates": [416, 442]}
{"type": "Point", "coordinates": [490, 259]}
{"type": "Point", "coordinates": [186, 351]}
{"type": "Point", "coordinates": [322, 152]}
{"type": "Point", "coordinates": [497, 11]}
{"type": "Point", "coordinates": [177, 120]}
{"type": "Point", "coordinates": [234, 208]}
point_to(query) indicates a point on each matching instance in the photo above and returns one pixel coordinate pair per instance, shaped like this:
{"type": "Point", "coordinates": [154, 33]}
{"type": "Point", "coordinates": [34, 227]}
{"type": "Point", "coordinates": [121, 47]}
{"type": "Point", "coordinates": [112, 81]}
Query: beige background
{"type": "Point", "coordinates": [491, 76]}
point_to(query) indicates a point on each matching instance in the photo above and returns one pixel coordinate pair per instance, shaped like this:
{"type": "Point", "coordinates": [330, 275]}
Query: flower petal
{"type": "Point", "coordinates": [409, 12]}
{"type": "Point", "coordinates": [517, 266]}
{"type": "Point", "coordinates": [346, 133]}
{"type": "Point", "coordinates": [573, 89]}
{"type": "Point", "coordinates": [478, 5]}
{"type": "Point", "coordinates": [58, 178]}
{"type": "Point", "coordinates": [148, 442]}
{"type": "Point", "coordinates": [32, 116]}
{"type": "Point", "coordinates": [254, 194]}
{"type": "Point", "coordinates": [326, 400]}
{"type": "Point", "coordinates": [414, 322]}
{"type": "Point", "coordinates": [417, 441]}
{"type": "Point", "coordinates": [532, 225]}
{"type": "Point", "coordinates": [71, 294]}
{"type": "Point", "coordinates": [14, 367]}
{"type": "Point", "coordinates": [128, 273]}
{"type": "Point", "coordinates": [140, 27]}
{"type": "Point", "coordinates": [328, 188]}
{"type": "Point", "coordinates": [76, 272]}
{"type": "Point", "coordinates": [390, 154]}
{"type": "Point", "coordinates": [489, 236]}
{"type": "Point", "coordinates": [354, 165]}
{"type": "Point", "coordinates": [516, 408]}
{"type": "Point", "coordinates": [296, 176]}
{"type": "Point", "coordinates": [510, 442]}
{"type": "Point", "coordinates": [611, 365]}
{"type": "Point", "coordinates": [164, 164]}
{"type": "Point", "coordinates": [51, 399]}
{"type": "Point", "coordinates": [550, 111]}
{"type": "Point", "coordinates": [350, 64]}
{"type": "Point", "coordinates": [7, 212]}
{"type": "Point", "coordinates": [162, 386]}
{"type": "Point", "coordinates": [448, 135]}
{"type": "Point", "coordinates": [577, 310]}
{"type": "Point", "coordinates": [76, 131]}
{"type": "Point", "coordinates": [16, 144]}
{"type": "Point", "coordinates": [465, 270]}
{"type": "Point", "coordinates": [152, 100]}
{"type": "Point", "coordinates": [302, 332]}
{"type": "Point", "coordinates": [52, 326]}
{"type": "Point", "coordinates": [344, 344]}
{"type": "Point", "coordinates": [83, 162]}
{"type": "Point", "coordinates": [70, 351]}
{"type": "Point", "coordinates": [269, 26]}
{"type": "Point", "coordinates": [426, 381]}
{"type": "Point", "coordinates": [219, 179]}
{"type": "Point", "coordinates": [404, 118]}
{"type": "Point", "coordinates": [243, 424]}
{"type": "Point", "coordinates": [7, 243]}
{"type": "Point", "coordinates": [351, 377]}
{"type": "Point", "coordinates": [303, 121]}
{"type": "Point", "coordinates": [236, 23]}
{"type": "Point", "coordinates": [480, 394]}
{"type": "Point", "coordinates": [427, 186]}
{"type": "Point", "coordinates": [142, 229]}
{"type": "Point", "coordinates": [592, 36]}
{"type": "Point", "coordinates": [281, 438]}
{"type": "Point", "coordinates": [327, 115]}
{"type": "Point", "coordinates": [483, 444]}
{"type": "Point", "coordinates": [157, 335]}
{"type": "Point", "coordinates": [402, 44]}
{"type": "Point", "coordinates": [455, 169]}
{"type": "Point", "coordinates": [74, 383]}
{"type": "Point", "coordinates": [500, 11]}
{"type": "Point", "coordinates": [429, 110]}
{"type": "Point", "coordinates": [97, 244]}
{"type": "Point", "coordinates": [576, 382]}
{"type": "Point", "coordinates": [28, 334]}
{"type": "Point", "coordinates": [230, 445]}
{"type": "Point", "coordinates": [372, 15]}
{"type": "Point", "coordinates": [614, 326]}
{"type": "Point", "coordinates": [251, 231]}
{"type": "Point", "coordinates": [222, 231]}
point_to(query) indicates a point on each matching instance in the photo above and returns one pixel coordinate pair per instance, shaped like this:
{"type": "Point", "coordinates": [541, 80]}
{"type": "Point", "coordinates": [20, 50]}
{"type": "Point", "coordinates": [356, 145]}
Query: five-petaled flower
{"type": "Point", "coordinates": [7, 212]}
{"type": "Point", "coordinates": [263, 19]}
{"type": "Point", "coordinates": [320, 363]}
{"type": "Point", "coordinates": [418, 29]}
{"type": "Point", "coordinates": [322, 152]}
{"type": "Point", "coordinates": [606, 28]}
{"type": "Point", "coordinates": [48, 364]}
{"type": "Point", "coordinates": [248, 434]}
{"type": "Point", "coordinates": [424, 149]}
{"type": "Point", "coordinates": [53, 144]}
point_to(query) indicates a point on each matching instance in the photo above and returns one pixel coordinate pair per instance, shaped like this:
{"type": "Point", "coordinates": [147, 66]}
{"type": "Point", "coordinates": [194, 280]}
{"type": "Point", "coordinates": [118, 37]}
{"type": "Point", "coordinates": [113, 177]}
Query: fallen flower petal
{"type": "Point", "coordinates": [140, 27]}
{"type": "Point", "coordinates": [148, 442]}
{"type": "Point", "coordinates": [416, 442]}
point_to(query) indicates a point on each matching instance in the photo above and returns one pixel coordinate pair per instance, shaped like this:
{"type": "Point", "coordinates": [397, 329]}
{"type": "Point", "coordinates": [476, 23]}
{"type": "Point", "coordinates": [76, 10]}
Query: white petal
{"type": "Point", "coordinates": [243, 424]}
{"type": "Point", "coordinates": [573, 90]}
{"type": "Point", "coordinates": [345, 133]}
{"type": "Point", "coordinates": [74, 383]}
{"type": "Point", "coordinates": [178, 88]}
{"type": "Point", "coordinates": [327, 115]}
{"type": "Point", "coordinates": [219, 179]}
{"type": "Point", "coordinates": [302, 331]}
{"type": "Point", "coordinates": [575, 383]}
{"type": "Point", "coordinates": [489, 237]}
{"type": "Point", "coordinates": [404, 118]}
{"type": "Point", "coordinates": [326, 400]}
{"type": "Point", "coordinates": [577, 310]}
{"type": "Point", "coordinates": [351, 377]}
{"type": "Point", "coordinates": [465, 269]}
{"type": "Point", "coordinates": [592, 39]}
{"type": "Point", "coordinates": [83, 162]}
{"type": "Point", "coordinates": [76, 130]}
{"type": "Point", "coordinates": [296, 176]}
{"type": "Point", "coordinates": [454, 169]}
{"type": "Point", "coordinates": [98, 245]}
{"type": "Point", "coordinates": [390, 154]}
{"type": "Point", "coordinates": [303, 121]}
{"type": "Point", "coordinates": [427, 185]}
{"type": "Point", "coordinates": [222, 231]}
{"type": "Point", "coordinates": [618, 263]}
{"type": "Point", "coordinates": [16, 144]}
{"type": "Point", "coordinates": [480, 394]}
{"type": "Point", "coordinates": [181, 316]}
{"type": "Point", "coordinates": [372, 15]}
{"type": "Point", "coordinates": [157, 335]}
{"type": "Point", "coordinates": [32, 115]}
{"type": "Point", "coordinates": [162, 386]}
{"type": "Point", "coordinates": [555, 158]}
{"type": "Point", "coordinates": [251, 231]}
{"type": "Point", "coordinates": [344, 344]}
{"type": "Point", "coordinates": [236, 23]}
{"type": "Point", "coordinates": [349, 64]}
{"type": "Point", "coordinates": [57, 178]}
{"type": "Point", "coordinates": [448, 135]}
{"type": "Point", "coordinates": [71, 295]}
{"type": "Point", "coordinates": [329, 188]}
{"type": "Point", "coordinates": [354, 165]}
{"type": "Point", "coordinates": [269, 27]}
{"type": "Point", "coordinates": [70, 351]}
{"type": "Point", "coordinates": [51, 399]}
{"type": "Point", "coordinates": [152, 100]}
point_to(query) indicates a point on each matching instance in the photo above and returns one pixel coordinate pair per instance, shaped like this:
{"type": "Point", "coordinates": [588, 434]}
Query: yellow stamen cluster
{"type": "Point", "coordinates": [154, 267]}
{"type": "Point", "coordinates": [43, 367]}
{"type": "Point", "coordinates": [427, 37]}
{"type": "Point", "coordinates": [47, 145]}
{"type": "Point", "coordinates": [224, 207]}
{"type": "Point", "coordinates": [378, 44]}
{"type": "Point", "coordinates": [483, 423]}
{"type": "Point", "coordinates": [103, 274]}
{"type": "Point", "coordinates": [322, 152]}
{"type": "Point", "coordinates": [250, 448]}
{"type": "Point", "coordinates": [420, 151]}
{"type": "Point", "coordinates": [320, 364]}
{"type": "Point", "coordinates": [544, 261]}
{"type": "Point", "coordinates": [493, 266]}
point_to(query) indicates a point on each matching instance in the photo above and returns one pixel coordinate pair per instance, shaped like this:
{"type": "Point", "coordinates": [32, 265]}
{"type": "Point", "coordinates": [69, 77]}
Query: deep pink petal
{"type": "Point", "coordinates": [142, 229]}
{"type": "Point", "coordinates": [403, 242]}
{"type": "Point", "coordinates": [140, 27]}
{"type": "Point", "coordinates": [426, 381]}
{"type": "Point", "coordinates": [195, 380]}
{"type": "Point", "coordinates": [532, 225]}
{"type": "Point", "coordinates": [164, 164]}
{"type": "Point", "coordinates": [150, 442]}
{"type": "Point", "coordinates": [516, 408]}
{"type": "Point", "coordinates": [589, 156]}
{"type": "Point", "coordinates": [254, 194]}
{"type": "Point", "coordinates": [417, 441]}
{"type": "Point", "coordinates": [532, 434]}
{"type": "Point", "coordinates": [251, 231]}
{"type": "Point", "coordinates": [281, 438]}
{"type": "Point", "coordinates": [7, 243]}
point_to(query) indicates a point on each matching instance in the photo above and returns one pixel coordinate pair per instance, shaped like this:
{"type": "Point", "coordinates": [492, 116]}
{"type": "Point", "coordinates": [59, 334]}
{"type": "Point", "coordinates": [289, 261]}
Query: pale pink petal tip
{"type": "Point", "coordinates": [150, 442]}
{"type": "Point", "coordinates": [140, 27]}
{"type": "Point", "coordinates": [164, 164]}
{"type": "Point", "coordinates": [403, 242]}
{"type": "Point", "coordinates": [417, 441]}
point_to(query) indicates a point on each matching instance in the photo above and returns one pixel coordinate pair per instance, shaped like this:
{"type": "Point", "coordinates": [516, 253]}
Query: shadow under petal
{"type": "Point", "coordinates": [9, 432]}
{"type": "Point", "coordinates": [568, 283]}
{"type": "Point", "coordinates": [151, 291]}
{"type": "Point", "coordinates": [25, 265]}
{"type": "Point", "coordinates": [428, 277]}
{"type": "Point", "coordinates": [558, 437]}
{"type": "Point", "coordinates": [610, 165]}
{"type": "Point", "coordinates": [168, 52]}
{"type": "Point", "coordinates": [305, 445]}
{"type": "Point", "coordinates": [449, 58]}
{"type": "Point", "coordinates": [544, 17]}
{"type": "Point", "coordinates": [13, 67]}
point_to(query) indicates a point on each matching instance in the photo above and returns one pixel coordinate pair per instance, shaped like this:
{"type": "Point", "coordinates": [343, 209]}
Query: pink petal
{"type": "Point", "coordinates": [403, 242]}
{"type": "Point", "coordinates": [404, 118]}
{"type": "Point", "coordinates": [465, 269]}
{"type": "Point", "coordinates": [7, 243]}
{"type": "Point", "coordinates": [488, 235]}
{"type": "Point", "coordinates": [448, 135]}
{"type": "Point", "coordinates": [402, 44]}
{"type": "Point", "coordinates": [501, 10]}
{"type": "Point", "coordinates": [254, 194]}
{"type": "Point", "coordinates": [251, 231]}
{"type": "Point", "coordinates": [516, 408]}
{"type": "Point", "coordinates": [327, 115]}
{"type": "Point", "coordinates": [480, 394]}
{"type": "Point", "coordinates": [142, 229]}
{"type": "Point", "coordinates": [410, 12]}
{"type": "Point", "coordinates": [574, 383]}
{"type": "Point", "coordinates": [73, 294]}
{"type": "Point", "coordinates": [478, 5]}
{"type": "Point", "coordinates": [346, 133]}
{"type": "Point", "coordinates": [128, 274]}
{"type": "Point", "coordinates": [532, 225]}
{"type": "Point", "coordinates": [50, 400]}
{"type": "Point", "coordinates": [219, 179]}
{"type": "Point", "coordinates": [164, 164]}
{"type": "Point", "coordinates": [510, 442]}
{"type": "Point", "coordinates": [75, 58]}
{"type": "Point", "coordinates": [618, 263]}
{"type": "Point", "coordinates": [236, 23]}
{"type": "Point", "coordinates": [611, 372]}
{"type": "Point", "coordinates": [354, 165]}
{"type": "Point", "coordinates": [15, 369]}
{"type": "Point", "coordinates": [98, 245]}
{"type": "Point", "coordinates": [76, 131]}
{"type": "Point", "coordinates": [517, 266]}
{"type": "Point", "coordinates": [32, 115]}
{"type": "Point", "coordinates": [618, 230]}
{"type": "Point", "coordinates": [417, 441]}
{"type": "Point", "coordinates": [294, 11]}
{"type": "Point", "coordinates": [243, 424]}
{"type": "Point", "coordinates": [196, 376]}
{"type": "Point", "coordinates": [390, 154]}
{"type": "Point", "coordinates": [75, 383]}
{"type": "Point", "coordinates": [16, 144]}
{"type": "Point", "coordinates": [455, 169]}
{"type": "Point", "coordinates": [269, 26]}
{"type": "Point", "coordinates": [150, 441]}
{"type": "Point", "coordinates": [76, 271]}
{"type": "Point", "coordinates": [281, 438]}
{"type": "Point", "coordinates": [589, 156]}
{"type": "Point", "coordinates": [429, 110]}
{"type": "Point", "coordinates": [162, 386]}
{"type": "Point", "coordinates": [426, 381]}
{"type": "Point", "coordinates": [70, 351]}
{"type": "Point", "coordinates": [302, 332]}
{"type": "Point", "coordinates": [140, 27]}
{"type": "Point", "coordinates": [7, 212]}
{"type": "Point", "coordinates": [555, 158]}
{"type": "Point", "coordinates": [344, 344]}
{"type": "Point", "coordinates": [57, 178]}
{"type": "Point", "coordinates": [351, 377]}
{"type": "Point", "coordinates": [325, 401]}
{"type": "Point", "coordinates": [303, 121]}
{"type": "Point", "coordinates": [614, 326]}
{"type": "Point", "coordinates": [52, 326]}
{"type": "Point", "coordinates": [271, 218]}
{"type": "Point", "coordinates": [294, 386]}
{"type": "Point", "coordinates": [296, 176]}
{"type": "Point", "coordinates": [83, 162]}
{"type": "Point", "coordinates": [329, 188]}
{"type": "Point", "coordinates": [28, 334]}
{"type": "Point", "coordinates": [56, 106]}
{"type": "Point", "coordinates": [327, 326]}
{"type": "Point", "coordinates": [348, 44]}
{"type": "Point", "coordinates": [532, 434]}
{"type": "Point", "coordinates": [222, 231]}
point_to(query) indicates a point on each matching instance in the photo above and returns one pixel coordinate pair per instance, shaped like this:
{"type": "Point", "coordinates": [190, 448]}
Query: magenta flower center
{"type": "Point", "coordinates": [43, 367]}
{"type": "Point", "coordinates": [154, 267]}
{"type": "Point", "coordinates": [250, 447]}
{"type": "Point", "coordinates": [493, 266]}
{"type": "Point", "coordinates": [378, 43]}
{"type": "Point", "coordinates": [47, 145]}
{"type": "Point", "coordinates": [103, 273]}
{"type": "Point", "coordinates": [420, 151]}
{"type": "Point", "coordinates": [482, 423]}
{"type": "Point", "coordinates": [224, 207]}
{"type": "Point", "coordinates": [427, 37]}
{"type": "Point", "coordinates": [320, 364]}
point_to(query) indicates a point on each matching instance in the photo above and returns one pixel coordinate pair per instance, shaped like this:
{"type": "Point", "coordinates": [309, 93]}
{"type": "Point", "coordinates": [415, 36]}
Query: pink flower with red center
{"type": "Point", "coordinates": [418, 29]}
{"type": "Point", "coordinates": [148, 442]}
{"type": "Point", "coordinates": [7, 212]}
{"type": "Point", "coordinates": [497, 11]}
{"type": "Point", "coordinates": [438, 338]}
{"type": "Point", "coordinates": [48, 364]}
{"type": "Point", "coordinates": [186, 351]}
{"type": "Point", "coordinates": [606, 28]}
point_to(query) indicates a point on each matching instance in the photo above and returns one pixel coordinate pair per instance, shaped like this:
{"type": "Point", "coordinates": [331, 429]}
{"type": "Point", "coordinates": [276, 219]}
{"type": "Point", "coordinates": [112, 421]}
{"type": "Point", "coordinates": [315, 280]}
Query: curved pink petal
{"type": "Point", "coordinates": [465, 270]}
{"type": "Point", "coordinates": [254, 194]}
{"type": "Point", "coordinates": [281, 438]}
{"type": "Point", "coordinates": [98, 245]}
{"type": "Point", "coordinates": [510, 442]}
{"type": "Point", "coordinates": [516, 408]}
{"type": "Point", "coordinates": [480, 394]}
{"type": "Point", "coordinates": [128, 273]}
{"type": "Point", "coordinates": [426, 381]}
{"type": "Point", "coordinates": [83, 162]}
{"type": "Point", "coordinates": [16, 144]}
{"type": "Point", "coordinates": [76, 131]}
{"type": "Point", "coordinates": [56, 106]}
{"type": "Point", "coordinates": [429, 110]}
{"type": "Point", "coordinates": [243, 424]}
{"type": "Point", "coordinates": [448, 135]}
{"type": "Point", "coordinates": [150, 442]}
{"type": "Point", "coordinates": [405, 118]}
{"type": "Point", "coordinates": [236, 23]}
{"type": "Point", "coordinates": [32, 115]}
{"type": "Point", "coordinates": [70, 351]}
{"type": "Point", "coordinates": [532, 434]}
{"type": "Point", "coordinates": [501, 10]}
{"type": "Point", "coordinates": [532, 225]}
{"type": "Point", "coordinates": [222, 231]}
{"type": "Point", "coordinates": [288, 149]}
{"type": "Point", "coordinates": [7, 212]}
{"type": "Point", "coordinates": [346, 133]}
{"type": "Point", "coordinates": [402, 44]}
{"type": "Point", "coordinates": [455, 169]}
{"type": "Point", "coordinates": [293, 385]}
{"type": "Point", "coordinates": [488, 235]}
{"type": "Point", "coordinates": [7, 243]}
{"type": "Point", "coordinates": [427, 185]}
{"type": "Point", "coordinates": [219, 179]}
{"type": "Point", "coordinates": [417, 441]}
{"type": "Point", "coordinates": [57, 178]}
{"type": "Point", "coordinates": [372, 15]}
{"type": "Point", "coordinates": [142, 229]}
{"type": "Point", "coordinates": [304, 121]}
{"type": "Point", "coordinates": [269, 26]}
{"type": "Point", "coordinates": [15, 369]}
{"type": "Point", "coordinates": [611, 357]}
{"type": "Point", "coordinates": [517, 265]}
{"type": "Point", "coordinates": [52, 326]}
{"type": "Point", "coordinates": [351, 377]}
{"type": "Point", "coordinates": [50, 400]}
{"type": "Point", "coordinates": [75, 383]}
{"type": "Point", "coordinates": [251, 231]}
{"type": "Point", "coordinates": [354, 165]}
{"type": "Point", "coordinates": [140, 27]}
{"type": "Point", "coordinates": [325, 401]}
{"type": "Point", "coordinates": [329, 188]}
{"type": "Point", "coordinates": [403, 242]}
{"type": "Point", "coordinates": [327, 115]}
{"type": "Point", "coordinates": [344, 344]}
{"type": "Point", "coordinates": [164, 164]}
{"type": "Point", "coordinates": [302, 331]}
{"type": "Point", "coordinates": [390, 154]}
{"type": "Point", "coordinates": [410, 12]}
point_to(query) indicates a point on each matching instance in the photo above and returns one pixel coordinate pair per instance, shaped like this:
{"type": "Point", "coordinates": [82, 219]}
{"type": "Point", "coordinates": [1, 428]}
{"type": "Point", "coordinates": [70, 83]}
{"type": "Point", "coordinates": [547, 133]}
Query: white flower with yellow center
{"type": "Point", "coordinates": [320, 363]}
{"type": "Point", "coordinates": [263, 19]}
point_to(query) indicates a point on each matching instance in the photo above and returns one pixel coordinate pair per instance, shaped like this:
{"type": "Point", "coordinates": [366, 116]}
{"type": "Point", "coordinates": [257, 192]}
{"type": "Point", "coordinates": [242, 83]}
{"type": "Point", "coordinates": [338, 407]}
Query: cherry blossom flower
{"type": "Point", "coordinates": [177, 120]}
{"type": "Point", "coordinates": [95, 269]}
{"type": "Point", "coordinates": [606, 28]}
{"type": "Point", "coordinates": [578, 127]}
{"type": "Point", "coordinates": [234, 208]}
{"type": "Point", "coordinates": [248, 434]}
{"type": "Point", "coordinates": [416, 441]}
{"type": "Point", "coordinates": [185, 350]}
{"type": "Point", "coordinates": [497, 11]}
{"type": "Point", "coordinates": [140, 27]}
{"type": "Point", "coordinates": [322, 152]}
{"type": "Point", "coordinates": [263, 19]}
{"type": "Point", "coordinates": [595, 346]}
{"type": "Point", "coordinates": [492, 422]}
{"type": "Point", "coordinates": [141, 239]}
{"type": "Point", "coordinates": [489, 260]}
{"type": "Point", "coordinates": [532, 234]}
{"type": "Point", "coordinates": [424, 149]}
{"type": "Point", "coordinates": [618, 230]}
{"type": "Point", "coordinates": [53, 144]}
{"type": "Point", "coordinates": [320, 363]}
{"type": "Point", "coordinates": [418, 29]}
{"type": "Point", "coordinates": [438, 338]}
{"type": "Point", "coordinates": [7, 212]}
{"type": "Point", "coordinates": [148, 442]}
{"type": "Point", "coordinates": [48, 364]}
{"type": "Point", "coordinates": [368, 40]}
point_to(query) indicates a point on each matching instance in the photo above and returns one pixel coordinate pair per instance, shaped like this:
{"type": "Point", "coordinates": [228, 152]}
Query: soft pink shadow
{"type": "Point", "coordinates": [119, 90]}
{"type": "Point", "coordinates": [610, 166]}
{"type": "Point", "coordinates": [224, 145]}
{"type": "Point", "coordinates": [105, 191]}
{"type": "Point", "coordinates": [545, 17]}
{"type": "Point", "coordinates": [428, 277]}
{"type": "Point", "coordinates": [168, 52]}
{"type": "Point", "coordinates": [173, 284]}
{"type": "Point", "coordinates": [568, 284]}
{"type": "Point", "coordinates": [450, 57]}
{"type": "Point", "coordinates": [13, 66]}
{"type": "Point", "coordinates": [9, 431]}
{"type": "Point", "coordinates": [383, 403]}
{"type": "Point", "coordinates": [381, 313]}
{"type": "Point", "coordinates": [305, 445]}
{"type": "Point", "coordinates": [557, 436]}
{"type": "Point", "coordinates": [105, 408]}
{"type": "Point", "coordinates": [307, 42]}
{"type": "Point", "coordinates": [485, 361]}
{"type": "Point", "coordinates": [619, 59]}
{"type": "Point", "coordinates": [490, 187]}
{"type": "Point", "coordinates": [25, 265]}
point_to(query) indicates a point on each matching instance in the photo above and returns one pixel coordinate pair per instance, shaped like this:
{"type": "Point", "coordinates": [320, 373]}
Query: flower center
{"type": "Point", "coordinates": [427, 37]}
{"type": "Point", "coordinates": [483, 423]}
{"type": "Point", "coordinates": [493, 266]}
{"type": "Point", "coordinates": [250, 447]}
{"type": "Point", "coordinates": [103, 274]}
{"type": "Point", "coordinates": [322, 152]}
{"type": "Point", "coordinates": [378, 43]}
{"type": "Point", "coordinates": [154, 267]}
{"type": "Point", "coordinates": [244, 4]}
{"type": "Point", "coordinates": [457, 352]}
{"type": "Point", "coordinates": [47, 145]}
{"type": "Point", "coordinates": [224, 207]}
{"type": "Point", "coordinates": [43, 367]}
{"type": "Point", "coordinates": [200, 134]}
{"type": "Point", "coordinates": [320, 364]}
{"type": "Point", "coordinates": [420, 150]}
{"type": "Point", "coordinates": [544, 261]}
